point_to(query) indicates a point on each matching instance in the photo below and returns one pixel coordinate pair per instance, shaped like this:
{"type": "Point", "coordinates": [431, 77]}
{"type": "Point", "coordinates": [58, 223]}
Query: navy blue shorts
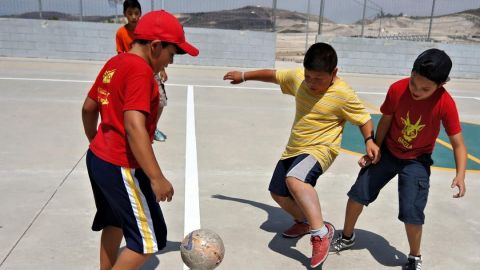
{"type": "Point", "coordinates": [413, 184]}
{"type": "Point", "coordinates": [303, 167]}
{"type": "Point", "coordinates": [124, 199]}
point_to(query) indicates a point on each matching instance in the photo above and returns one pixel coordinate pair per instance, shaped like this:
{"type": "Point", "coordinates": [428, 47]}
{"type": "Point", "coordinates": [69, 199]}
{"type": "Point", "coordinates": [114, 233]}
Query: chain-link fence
{"type": "Point", "coordinates": [437, 20]}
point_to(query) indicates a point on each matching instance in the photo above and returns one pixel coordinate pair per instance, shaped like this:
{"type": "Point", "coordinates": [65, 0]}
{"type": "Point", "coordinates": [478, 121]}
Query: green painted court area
{"type": "Point", "coordinates": [442, 155]}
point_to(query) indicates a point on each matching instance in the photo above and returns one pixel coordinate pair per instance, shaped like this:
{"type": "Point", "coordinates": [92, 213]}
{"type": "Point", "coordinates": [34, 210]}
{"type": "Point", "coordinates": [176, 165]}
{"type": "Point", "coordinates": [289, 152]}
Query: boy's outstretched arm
{"type": "Point", "coordinates": [460, 154]}
{"type": "Point", "coordinates": [139, 141]}
{"type": "Point", "coordinates": [90, 118]}
{"type": "Point", "coordinates": [264, 75]}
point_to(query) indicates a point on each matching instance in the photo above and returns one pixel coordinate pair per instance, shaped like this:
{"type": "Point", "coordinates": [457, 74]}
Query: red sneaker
{"type": "Point", "coordinates": [298, 229]}
{"type": "Point", "coordinates": [321, 246]}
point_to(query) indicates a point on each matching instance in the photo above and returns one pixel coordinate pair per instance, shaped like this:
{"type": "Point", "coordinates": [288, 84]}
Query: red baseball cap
{"type": "Point", "coordinates": [161, 25]}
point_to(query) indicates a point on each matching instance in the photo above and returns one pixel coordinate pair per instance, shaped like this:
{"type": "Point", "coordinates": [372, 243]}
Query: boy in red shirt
{"type": "Point", "coordinates": [124, 38]}
{"type": "Point", "coordinates": [412, 113]}
{"type": "Point", "coordinates": [126, 180]}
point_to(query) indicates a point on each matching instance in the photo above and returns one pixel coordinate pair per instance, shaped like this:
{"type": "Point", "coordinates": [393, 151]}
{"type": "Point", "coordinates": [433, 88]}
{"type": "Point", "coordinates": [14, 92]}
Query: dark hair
{"type": "Point", "coordinates": [131, 4]}
{"type": "Point", "coordinates": [433, 64]}
{"type": "Point", "coordinates": [320, 57]}
{"type": "Point", "coordinates": [164, 44]}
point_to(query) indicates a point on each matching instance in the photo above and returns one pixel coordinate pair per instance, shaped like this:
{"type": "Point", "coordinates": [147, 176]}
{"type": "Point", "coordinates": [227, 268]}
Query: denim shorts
{"type": "Point", "coordinates": [413, 184]}
{"type": "Point", "coordinates": [303, 167]}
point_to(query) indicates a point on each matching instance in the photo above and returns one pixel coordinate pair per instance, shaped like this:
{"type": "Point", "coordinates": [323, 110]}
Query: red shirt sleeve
{"type": "Point", "coordinates": [138, 91]}
{"type": "Point", "coordinates": [450, 118]}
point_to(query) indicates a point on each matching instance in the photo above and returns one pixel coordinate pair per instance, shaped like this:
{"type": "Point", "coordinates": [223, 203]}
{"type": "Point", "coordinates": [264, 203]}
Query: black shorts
{"type": "Point", "coordinates": [303, 167]}
{"type": "Point", "coordinates": [124, 199]}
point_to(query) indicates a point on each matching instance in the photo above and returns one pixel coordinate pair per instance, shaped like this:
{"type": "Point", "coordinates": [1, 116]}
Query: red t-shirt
{"type": "Point", "coordinates": [416, 123]}
{"type": "Point", "coordinates": [125, 83]}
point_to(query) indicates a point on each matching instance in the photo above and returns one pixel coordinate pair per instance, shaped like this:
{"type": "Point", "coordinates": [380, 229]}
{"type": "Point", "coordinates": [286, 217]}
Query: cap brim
{"type": "Point", "coordinates": [188, 48]}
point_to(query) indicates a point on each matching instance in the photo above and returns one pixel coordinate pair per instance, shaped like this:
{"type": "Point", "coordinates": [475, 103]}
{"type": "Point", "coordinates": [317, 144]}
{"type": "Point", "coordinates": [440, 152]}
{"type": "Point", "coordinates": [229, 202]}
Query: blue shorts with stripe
{"type": "Point", "coordinates": [303, 167]}
{"type": "Point", "coordinates": [124, 199]}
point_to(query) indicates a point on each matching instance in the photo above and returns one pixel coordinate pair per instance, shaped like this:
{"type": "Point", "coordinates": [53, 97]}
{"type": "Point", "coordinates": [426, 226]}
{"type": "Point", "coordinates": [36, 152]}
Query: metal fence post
{"type": "Point", "coordinates": [363, 16]}
{"type": "Point", "coordinates": [320, 17]}
{"type": "Point", "coordinates": [306, 26]}
{"type": "Point", "coordinates": [81, 10]}
{"type": "Point", "coordinates": [431, 19]}
{"type": "Point", "coordinates": [40, 9]}
{"type": "Point", "coordinates": [274, 17]}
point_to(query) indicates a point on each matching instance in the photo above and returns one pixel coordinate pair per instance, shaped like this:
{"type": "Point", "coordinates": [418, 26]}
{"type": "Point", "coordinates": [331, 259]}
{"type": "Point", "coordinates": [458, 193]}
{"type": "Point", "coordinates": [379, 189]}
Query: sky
{"type": "Point", "coordinates": [340, 11]}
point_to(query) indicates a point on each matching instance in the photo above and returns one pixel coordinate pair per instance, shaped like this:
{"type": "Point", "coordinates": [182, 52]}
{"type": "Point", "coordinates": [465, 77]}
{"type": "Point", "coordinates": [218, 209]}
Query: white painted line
{"type": "Point", "coordinates": [44, 80]}
{"type": "Point", "coordinates": [192, 204]}
{"type": "Point", "coordinates": [206, 86]}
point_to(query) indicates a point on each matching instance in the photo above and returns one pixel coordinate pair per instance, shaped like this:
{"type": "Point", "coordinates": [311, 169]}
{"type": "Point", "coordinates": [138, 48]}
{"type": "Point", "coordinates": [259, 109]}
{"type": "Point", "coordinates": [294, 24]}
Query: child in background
{"type": "Point", "coordinates": [124, 38]}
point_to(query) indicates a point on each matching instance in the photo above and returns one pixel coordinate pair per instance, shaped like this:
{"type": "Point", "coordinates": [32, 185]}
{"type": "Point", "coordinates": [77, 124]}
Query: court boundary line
{"type": "Point", "coordinates": [192, 201]}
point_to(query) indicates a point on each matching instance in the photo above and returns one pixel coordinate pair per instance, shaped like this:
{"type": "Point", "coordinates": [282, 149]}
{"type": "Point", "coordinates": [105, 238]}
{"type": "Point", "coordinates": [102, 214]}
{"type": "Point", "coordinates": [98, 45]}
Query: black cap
{"type": "Point", "coordinates": [433, 64]}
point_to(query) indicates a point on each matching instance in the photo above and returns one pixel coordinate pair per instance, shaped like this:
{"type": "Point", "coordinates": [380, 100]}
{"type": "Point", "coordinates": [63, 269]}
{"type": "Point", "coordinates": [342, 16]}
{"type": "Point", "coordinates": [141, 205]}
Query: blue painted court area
{"type": "Point", "coordinates": [442, 154]}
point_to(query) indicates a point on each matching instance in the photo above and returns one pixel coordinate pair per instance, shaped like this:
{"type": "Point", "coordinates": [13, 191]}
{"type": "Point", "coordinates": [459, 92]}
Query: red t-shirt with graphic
{"type": "Point", "coordinates": [416, 123]}
{"type": "Point", "coordinates": [125, 83]}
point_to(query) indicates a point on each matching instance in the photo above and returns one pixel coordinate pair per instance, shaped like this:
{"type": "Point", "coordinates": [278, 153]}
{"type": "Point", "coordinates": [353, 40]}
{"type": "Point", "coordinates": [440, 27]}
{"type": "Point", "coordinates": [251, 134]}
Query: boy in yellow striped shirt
{"type": "Point", "coordinates": [324, 103]}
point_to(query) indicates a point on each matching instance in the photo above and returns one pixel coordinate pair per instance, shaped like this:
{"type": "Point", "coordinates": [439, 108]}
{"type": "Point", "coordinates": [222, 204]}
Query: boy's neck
{"type": "Point", "coordinates": [130, 27]}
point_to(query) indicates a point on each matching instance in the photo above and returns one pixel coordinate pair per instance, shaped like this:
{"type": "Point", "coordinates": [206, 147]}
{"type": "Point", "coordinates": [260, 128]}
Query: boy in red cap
{"type": "Point", "coordinates": [124, 38]}
{"type": "Point", "coordinates": [126, 180]}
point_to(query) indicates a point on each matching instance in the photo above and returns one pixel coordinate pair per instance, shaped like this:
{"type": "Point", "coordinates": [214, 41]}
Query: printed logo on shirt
{"type": "Point", "coordinates": [102, 95]}
{"type": "Point", "coordinates": [410, 131]}
{"type": "Point", "coordinates": [107, 76]}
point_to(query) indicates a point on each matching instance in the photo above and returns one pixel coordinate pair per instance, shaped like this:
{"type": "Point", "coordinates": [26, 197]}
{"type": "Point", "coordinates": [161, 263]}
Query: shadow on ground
{"type": "Point", "coordinates": [278, 220]}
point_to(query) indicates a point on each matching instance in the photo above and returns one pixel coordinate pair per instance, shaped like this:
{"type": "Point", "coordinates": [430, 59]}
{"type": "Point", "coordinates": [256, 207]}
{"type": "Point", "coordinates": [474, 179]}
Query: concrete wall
{"type": "Point", "coordinates": [396, 57]}
{"type": "Point", "coordinates": [96, 41]}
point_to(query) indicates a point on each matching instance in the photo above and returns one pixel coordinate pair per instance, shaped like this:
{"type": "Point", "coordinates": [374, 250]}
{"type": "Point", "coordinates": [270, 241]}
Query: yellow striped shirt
{"type": "Point", "coordinates": [319, 118]}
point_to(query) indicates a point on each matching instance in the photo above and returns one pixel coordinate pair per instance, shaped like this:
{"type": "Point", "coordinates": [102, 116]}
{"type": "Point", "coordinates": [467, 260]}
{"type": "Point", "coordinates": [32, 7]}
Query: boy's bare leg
{"type": "Point", "coordinates": [109, 244]}
{"type": "Point", "coordinates": [352, 212]}
{"type": "Point", "coordinates": [414, 235]}
{"type": "Point", "coordinates": [130, 260]}
{"type": "Point", "coordinates": [306, 198]}
{"type": "Point", "coordinates": [289, 205]}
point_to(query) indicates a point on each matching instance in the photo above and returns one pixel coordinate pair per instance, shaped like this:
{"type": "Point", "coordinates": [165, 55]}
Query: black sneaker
{"type": "Point", "coordinates": [341, 243]}
{"type": "Point", "coordinates": [414, 263]}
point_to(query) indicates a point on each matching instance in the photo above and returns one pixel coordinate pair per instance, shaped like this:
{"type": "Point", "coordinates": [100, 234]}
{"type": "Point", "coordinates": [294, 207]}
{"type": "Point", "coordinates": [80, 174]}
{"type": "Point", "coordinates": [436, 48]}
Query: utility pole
{"type": "Point", "coordinates": [363, 16]}
{"type": "Point", "coordinates": [431, 20]}
{"type": "Point", "coordinates": [151, 5]}
{"type": "Point", "coordinates": [306, 25]}
{"type": "Point", "coordinates": [320, 17]}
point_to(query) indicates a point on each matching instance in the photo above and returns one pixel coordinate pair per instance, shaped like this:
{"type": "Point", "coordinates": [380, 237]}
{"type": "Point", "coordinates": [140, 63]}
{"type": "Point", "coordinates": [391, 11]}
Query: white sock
{"type": "Point", "coordinates": [320, 232]}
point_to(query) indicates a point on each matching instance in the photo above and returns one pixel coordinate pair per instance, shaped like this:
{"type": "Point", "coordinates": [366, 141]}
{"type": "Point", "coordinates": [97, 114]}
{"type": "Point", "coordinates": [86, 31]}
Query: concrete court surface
{"type": "Point", "coordinates": [47, 205]}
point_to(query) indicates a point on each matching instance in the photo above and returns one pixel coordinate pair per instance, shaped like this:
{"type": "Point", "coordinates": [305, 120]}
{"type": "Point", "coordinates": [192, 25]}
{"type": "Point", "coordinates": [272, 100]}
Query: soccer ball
{"type": "Point", "coordinates": [202, 250]}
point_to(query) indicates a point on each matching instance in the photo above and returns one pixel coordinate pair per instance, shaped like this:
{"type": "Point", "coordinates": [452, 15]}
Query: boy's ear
{"type": "Point", "coordinates": [155, 45]}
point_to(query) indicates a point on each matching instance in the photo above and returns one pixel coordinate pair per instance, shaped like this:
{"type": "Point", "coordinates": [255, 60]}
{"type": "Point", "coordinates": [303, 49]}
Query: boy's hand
{"type": "Point", "coordinates": [163, 75]}
{"type": "Point", "coordinates": [373, 151]}
{"type": "Point", "coordinates": [234, 76]}
{"type": "Point", "coordinates": [364, 161]}
{"type": "Point", "coordinates": [460, 183]}
{"type": "Point", "coordinates": [162, 189]}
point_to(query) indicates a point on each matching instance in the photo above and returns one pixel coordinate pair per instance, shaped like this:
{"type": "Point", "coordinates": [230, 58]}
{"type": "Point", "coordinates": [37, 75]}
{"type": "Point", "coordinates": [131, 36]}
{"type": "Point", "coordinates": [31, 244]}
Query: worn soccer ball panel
{"type": "Point", "coordinates": [202, 250]}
